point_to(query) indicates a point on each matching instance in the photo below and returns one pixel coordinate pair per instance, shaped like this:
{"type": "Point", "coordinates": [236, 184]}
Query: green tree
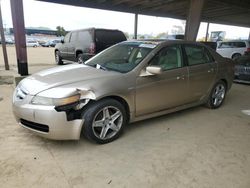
{"type": "Point", "coordinates": [162, 35]}
{"type": "Point", "coordinates": [60, 31]}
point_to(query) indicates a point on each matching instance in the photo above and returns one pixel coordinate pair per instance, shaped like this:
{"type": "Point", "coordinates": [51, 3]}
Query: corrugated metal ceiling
{"type": "Point", "coordinates": [230, 12]}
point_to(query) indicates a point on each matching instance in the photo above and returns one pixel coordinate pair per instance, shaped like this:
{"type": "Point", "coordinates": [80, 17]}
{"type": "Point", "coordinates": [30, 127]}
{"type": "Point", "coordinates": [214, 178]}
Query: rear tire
{"type": "Point", "coordinates": [235, 56]}
{"type": "Point", "coordinates": [104, 121]}
{"type": "Point", "coordinates": [217, 95]}
{"type": "Point", "coordinates": [58, 58]}
{"type": "Point", "coordinates": [80, 58]}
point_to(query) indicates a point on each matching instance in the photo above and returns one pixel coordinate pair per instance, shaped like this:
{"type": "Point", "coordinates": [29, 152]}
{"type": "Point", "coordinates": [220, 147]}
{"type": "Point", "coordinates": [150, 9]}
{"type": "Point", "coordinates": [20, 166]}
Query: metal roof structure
{"type": "Point", "coordinates": [229, 12]}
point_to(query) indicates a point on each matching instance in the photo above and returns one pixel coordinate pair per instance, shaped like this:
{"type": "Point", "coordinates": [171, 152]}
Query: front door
{"type": "Point", "coordinates": [159, 92]}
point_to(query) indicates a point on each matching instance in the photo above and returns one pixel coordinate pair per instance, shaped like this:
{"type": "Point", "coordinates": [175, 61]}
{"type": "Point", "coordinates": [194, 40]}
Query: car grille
{"type": "Point", "coordinates": [242, 70]}
{"type": "Point", "coordinates": [35, 126]}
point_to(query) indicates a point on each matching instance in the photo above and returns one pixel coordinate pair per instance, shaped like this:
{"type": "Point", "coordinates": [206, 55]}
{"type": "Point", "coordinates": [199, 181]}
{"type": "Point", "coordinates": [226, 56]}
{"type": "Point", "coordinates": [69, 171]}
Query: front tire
{"type": "Point", "coordinates": [217, 95]}
{"type": "Point", "coordinates": [104, 121]}
{"type": "Point", "coordinates": [58, 58]}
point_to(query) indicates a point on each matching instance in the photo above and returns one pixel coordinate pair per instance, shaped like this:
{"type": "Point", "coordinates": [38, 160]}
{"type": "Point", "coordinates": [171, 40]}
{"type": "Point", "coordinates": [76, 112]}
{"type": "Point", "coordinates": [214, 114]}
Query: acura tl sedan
{"type": "Point", "coordinates": [128, 82]}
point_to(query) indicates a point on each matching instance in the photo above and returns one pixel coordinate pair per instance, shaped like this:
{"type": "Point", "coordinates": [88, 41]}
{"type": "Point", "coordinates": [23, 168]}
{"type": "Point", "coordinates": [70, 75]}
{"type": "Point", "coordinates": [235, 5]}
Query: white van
{"type": "Point", "coordinates": [233, 49]}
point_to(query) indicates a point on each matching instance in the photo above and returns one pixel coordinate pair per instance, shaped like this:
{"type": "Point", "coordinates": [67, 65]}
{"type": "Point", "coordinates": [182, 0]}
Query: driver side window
{"type": "Point", "coordinates": [168, 58]}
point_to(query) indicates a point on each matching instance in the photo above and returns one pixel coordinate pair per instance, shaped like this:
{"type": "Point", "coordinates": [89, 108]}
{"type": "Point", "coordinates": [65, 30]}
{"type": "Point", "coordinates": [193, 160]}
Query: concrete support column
{"type": "Point", "coordinates": [249, 36]}
{"type": "Point", "coordinates": [193, 19]}
{"type": "Point", "coordinates": [6, 62]}
{"type": "Point", "coordinates": [19, 34]}
{"type": "Point", "coordinates": [136, 26]}
{"type": "Point", "coordinates": [207, 34]}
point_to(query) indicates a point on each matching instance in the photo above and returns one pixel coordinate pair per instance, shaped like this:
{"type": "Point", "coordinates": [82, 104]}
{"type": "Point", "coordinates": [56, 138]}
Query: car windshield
{"type": "Point", "coordinates": [122, 58]}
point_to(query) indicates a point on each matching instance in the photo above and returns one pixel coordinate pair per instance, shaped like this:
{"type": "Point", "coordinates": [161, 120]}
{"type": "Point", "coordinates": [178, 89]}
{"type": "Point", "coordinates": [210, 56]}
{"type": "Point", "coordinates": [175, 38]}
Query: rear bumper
{"type": "Point", "coordinates": [47, 122]}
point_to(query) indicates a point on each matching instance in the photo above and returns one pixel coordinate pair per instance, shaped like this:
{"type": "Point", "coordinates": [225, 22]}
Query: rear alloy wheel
{"type": "Point", "coordinates": [104, 121]}
{"type": "Point", "coordinates": [80, 58]}
{"type": "Point", "coordinates": [58, 58]}
{"type": "Point", "coordinates": [217, 95]}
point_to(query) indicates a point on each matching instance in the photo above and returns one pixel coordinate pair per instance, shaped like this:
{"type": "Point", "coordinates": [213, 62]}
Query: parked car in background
{"type": "Point", "coordinates": [80, 45]}
{"type": "Point", "coordinates": [212, 45]}
{"type": "Point", "coordinates": [233, 49]}
{"type": "Point", "coordinates": [32, 43]}
{"type": "Point", "coordinates": [242, 69]}
{"type": "Point", "coordinates": [128, 82]}
{"type": "Point", "coordinates": [9, 41]}
{"type": "Point", "coordinates": [51, 43]}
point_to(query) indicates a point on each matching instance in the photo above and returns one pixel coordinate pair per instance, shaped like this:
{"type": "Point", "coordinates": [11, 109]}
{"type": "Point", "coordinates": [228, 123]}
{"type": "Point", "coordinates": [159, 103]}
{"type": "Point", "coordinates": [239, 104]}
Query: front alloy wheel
{"type": "Point", "coordinates": [107, 122]}
{"type": "Point", "coordinates": [104, 121]}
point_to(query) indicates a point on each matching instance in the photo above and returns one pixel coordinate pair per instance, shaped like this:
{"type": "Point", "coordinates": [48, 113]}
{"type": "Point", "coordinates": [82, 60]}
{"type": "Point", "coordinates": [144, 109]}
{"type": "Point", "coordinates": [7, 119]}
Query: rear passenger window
{"type": "Point", "coordinates": [197, 55]}
{"type": "Point", "coordinates": [168, 58]}
{"type": "Point", "coordinates": [240, 44]}
{"type": "Point", "coordinates": [224, 45]}
{"type": "Point", "coordinates": [232, 45]}
{"type": "Point", "coordinates": [85, 36]}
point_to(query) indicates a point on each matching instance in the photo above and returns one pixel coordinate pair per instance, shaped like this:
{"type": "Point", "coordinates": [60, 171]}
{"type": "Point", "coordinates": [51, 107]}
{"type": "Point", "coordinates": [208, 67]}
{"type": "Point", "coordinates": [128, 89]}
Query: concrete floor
{"type": "Point", "coordinates": [197, 148]}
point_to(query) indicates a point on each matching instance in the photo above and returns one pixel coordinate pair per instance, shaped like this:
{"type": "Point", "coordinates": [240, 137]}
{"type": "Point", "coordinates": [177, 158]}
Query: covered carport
{"type": "Point", "coordinates": [197, 148]}
{"type": "Point", "coordinates": [193, 11]}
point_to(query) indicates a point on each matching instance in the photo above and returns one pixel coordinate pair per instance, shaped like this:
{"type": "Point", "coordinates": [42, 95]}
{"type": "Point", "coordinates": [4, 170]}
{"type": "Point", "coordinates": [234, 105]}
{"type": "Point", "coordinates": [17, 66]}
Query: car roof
{"type": "Point", "coordinates": [235, 41]}
{"type": "Point", "coordinates": [93, 28]}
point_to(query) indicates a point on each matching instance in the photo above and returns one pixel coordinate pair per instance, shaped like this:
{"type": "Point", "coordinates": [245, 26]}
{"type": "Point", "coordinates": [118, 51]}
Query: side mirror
{"type": "Point", "coordinates": [154, 70]}
{"type": "Point", "coordinates": [62, 41]}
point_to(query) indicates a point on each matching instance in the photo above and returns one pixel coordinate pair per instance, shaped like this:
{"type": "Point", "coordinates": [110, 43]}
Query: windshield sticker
{"type": "Point", "coordinates": [147, 45]}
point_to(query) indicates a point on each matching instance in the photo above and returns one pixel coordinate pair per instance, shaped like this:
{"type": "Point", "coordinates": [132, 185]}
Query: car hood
{"type": "Point", "coordinates": [61, 76]}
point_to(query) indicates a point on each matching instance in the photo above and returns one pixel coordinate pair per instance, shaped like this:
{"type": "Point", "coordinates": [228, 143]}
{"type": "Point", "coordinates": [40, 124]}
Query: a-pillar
{"type": "Point", "coordinates": [136, 26]}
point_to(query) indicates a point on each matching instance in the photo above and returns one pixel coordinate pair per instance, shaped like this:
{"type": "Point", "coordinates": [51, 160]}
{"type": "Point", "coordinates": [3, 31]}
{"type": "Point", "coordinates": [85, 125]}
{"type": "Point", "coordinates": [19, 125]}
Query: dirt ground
{"type": "Point", "coordinates": [38, 59]}
{"type": "Point", "coordinates": [36, 56]}
{"type": "Point", "coordinates": [198, 148]}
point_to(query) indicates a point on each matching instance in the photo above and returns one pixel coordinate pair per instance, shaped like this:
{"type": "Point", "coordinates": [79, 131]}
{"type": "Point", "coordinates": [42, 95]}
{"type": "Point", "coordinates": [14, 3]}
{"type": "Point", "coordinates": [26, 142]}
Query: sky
{"type": "Point", "coordinates": [50, 15]}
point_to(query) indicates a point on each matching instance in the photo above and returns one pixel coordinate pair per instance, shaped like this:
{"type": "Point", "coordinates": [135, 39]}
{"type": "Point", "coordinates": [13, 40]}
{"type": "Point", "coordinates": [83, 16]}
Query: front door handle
{"type": "Point", "coordinates": [180, 77]}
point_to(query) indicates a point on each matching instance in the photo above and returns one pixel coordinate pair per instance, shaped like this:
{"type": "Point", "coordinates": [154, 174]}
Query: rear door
{"type": "Point", "coordinates": [85, 43]}
{"type": "Point", "coordinates": [72, 46]}
{"type": "Point", "coordinates": [202, 71]}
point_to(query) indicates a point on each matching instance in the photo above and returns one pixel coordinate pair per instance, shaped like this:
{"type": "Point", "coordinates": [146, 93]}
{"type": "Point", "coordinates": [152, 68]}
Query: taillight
{"type": "Point", "coordinates": [248, 49]}
{"type": "Point", "coordinates": [92, 48]}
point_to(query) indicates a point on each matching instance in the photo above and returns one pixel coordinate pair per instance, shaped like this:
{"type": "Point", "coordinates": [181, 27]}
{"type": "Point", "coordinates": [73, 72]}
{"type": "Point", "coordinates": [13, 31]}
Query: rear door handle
{"type": "Point", "coordinates": [210, 70]}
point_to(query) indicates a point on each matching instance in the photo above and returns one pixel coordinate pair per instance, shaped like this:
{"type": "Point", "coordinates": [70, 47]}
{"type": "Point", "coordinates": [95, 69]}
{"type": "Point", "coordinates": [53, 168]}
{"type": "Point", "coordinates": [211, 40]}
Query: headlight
{"type": "Point", "coordinates": [38, 100]}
